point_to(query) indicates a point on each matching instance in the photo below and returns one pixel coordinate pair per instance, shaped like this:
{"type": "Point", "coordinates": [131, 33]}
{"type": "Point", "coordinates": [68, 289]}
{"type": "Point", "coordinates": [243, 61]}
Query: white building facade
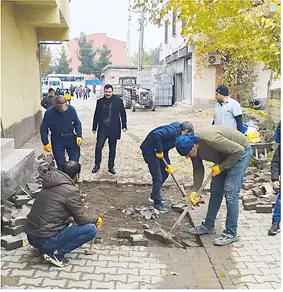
{"type": "Point", "coordinates": [191, 85]}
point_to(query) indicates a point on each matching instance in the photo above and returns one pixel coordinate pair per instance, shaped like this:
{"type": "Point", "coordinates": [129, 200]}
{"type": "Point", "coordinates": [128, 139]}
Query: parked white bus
{"type": "Point", "coordinates": [68, 79]}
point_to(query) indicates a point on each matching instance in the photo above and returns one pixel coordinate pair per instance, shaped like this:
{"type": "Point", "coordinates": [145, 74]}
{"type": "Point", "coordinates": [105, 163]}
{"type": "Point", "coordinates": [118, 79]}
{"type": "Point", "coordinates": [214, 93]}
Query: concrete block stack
{"type": "Point", "coordinates": [16, 207]}
{"type": "Point", "coordinates": [257, 191]}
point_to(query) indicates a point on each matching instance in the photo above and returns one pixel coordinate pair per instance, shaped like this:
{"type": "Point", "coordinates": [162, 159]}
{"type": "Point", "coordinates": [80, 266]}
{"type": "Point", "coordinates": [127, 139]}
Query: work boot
{"type": "Point", "coordinates": [163, 199]}
{"type": "Point", "coordinates": [112, 170]}
{"type": "Point", "coordinates": [275, 228]}
{"type": "Point", "coordinates": [225, 239]}
{"type": "Point", "coordinates": [202, 229]}
{"type": "Point", "coordinates": [161, 208]}
{"type": "Point", "coordinates": [95, 169]}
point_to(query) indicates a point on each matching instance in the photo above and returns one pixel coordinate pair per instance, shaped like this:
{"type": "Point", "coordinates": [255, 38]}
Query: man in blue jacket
{"type": "Point", "coordinates": [66, 131]}
{"type": "Point", "coordinates": [155, 146]}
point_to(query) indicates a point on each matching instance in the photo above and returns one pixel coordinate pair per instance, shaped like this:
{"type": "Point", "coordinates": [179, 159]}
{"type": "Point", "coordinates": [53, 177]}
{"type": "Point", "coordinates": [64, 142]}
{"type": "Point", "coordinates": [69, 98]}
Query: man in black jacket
{"type": "Point", "coordinates": [49, 100]}
{"type": "Point", "coordinates": [46, 225]}
{"type": "Point", "coordinates": [108, 116]}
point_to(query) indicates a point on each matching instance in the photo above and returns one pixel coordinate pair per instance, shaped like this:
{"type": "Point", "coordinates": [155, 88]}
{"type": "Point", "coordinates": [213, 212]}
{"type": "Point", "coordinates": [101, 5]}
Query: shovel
{"type": "Point", "coordinates": [169, 235]}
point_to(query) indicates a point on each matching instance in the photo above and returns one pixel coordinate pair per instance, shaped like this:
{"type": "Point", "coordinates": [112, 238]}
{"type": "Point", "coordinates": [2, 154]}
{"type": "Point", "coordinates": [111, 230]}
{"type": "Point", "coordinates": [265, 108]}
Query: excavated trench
{"type": "Point", "coordinates": [120, 206]}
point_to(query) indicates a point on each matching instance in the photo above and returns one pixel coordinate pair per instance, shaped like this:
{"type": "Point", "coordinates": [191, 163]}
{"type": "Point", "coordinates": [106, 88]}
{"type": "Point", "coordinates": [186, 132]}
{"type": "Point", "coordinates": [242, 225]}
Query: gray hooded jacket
{"type": "Point", "coordinates": [58, 200]}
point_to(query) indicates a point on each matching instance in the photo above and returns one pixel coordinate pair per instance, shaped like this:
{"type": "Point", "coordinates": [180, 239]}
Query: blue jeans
{"type": "Point", "coordinates": [228, 183]}
{"type": "Point", "coordinates": [65, 240]}
{"type": "Point", "coordinates": [277, 209]}
{"type": "Point", "coordinates": [159, 175]}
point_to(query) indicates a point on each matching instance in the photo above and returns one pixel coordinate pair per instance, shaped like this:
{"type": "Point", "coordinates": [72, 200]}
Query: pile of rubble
{"type": "Point", "coordinates": [258, 193]}
{"type": "Point", "coordinates": [146, 212]}
{"type": "Point", "coordinates": [15, 209]}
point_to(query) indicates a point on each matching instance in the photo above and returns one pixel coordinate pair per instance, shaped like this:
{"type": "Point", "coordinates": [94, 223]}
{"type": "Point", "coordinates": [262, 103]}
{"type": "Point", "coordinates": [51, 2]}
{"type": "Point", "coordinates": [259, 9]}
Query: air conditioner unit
{"type": "Point", "coordinates": [213, 59]}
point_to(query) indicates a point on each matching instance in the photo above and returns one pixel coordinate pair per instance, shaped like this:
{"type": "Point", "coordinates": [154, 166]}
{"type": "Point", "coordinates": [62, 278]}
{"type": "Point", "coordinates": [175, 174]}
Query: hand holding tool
{"type": "Point", "coordinates": [47, 148]}
{"type": "Point", "coordinates": [159, 155]}
{"type": "Point", "coordinates": [99, 222]}
{"type": "Point", "coordinates": [169, 169]}
{"type": "Point", "coordinates": [215, 170]}
{"type": "Point", "coordinates": [194, 199]}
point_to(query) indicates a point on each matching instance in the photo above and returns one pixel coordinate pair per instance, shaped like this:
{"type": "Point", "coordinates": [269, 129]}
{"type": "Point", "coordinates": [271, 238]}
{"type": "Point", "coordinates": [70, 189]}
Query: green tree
{"type": "Point", "coordinates": [86, 54]}
{"type": "Point", "coordinates": [239, 31]}
{"type": "Point", "coordinates": [103, 60]}
{"type": "Point", "coordinates": [62, 65]}
{"type": "Point", "coordinates": [45, 60]}
{"type": "Point", "coordinates": [150, 57]}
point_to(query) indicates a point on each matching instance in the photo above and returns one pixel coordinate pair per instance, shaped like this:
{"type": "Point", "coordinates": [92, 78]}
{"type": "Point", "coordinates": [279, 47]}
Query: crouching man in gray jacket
{"type": "Point", "coordinates": [58, 200]}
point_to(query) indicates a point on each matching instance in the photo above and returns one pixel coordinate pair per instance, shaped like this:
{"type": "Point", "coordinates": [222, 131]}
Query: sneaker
{"type": "Point", "coordinates": [163, 200]}
{"type": "Point", "coordinates": [275, 228]}
{"type": "Point", "coordinates": [66, 262]}
{"type": "Point", "coordinates": [55, 260]}
{"type": "Point", "coordinates": [161, 208]}
{"type": "Point", "coordinates": [95, 169]}
{"type": "Point", "coordinates": [202, 229]}
{"type": "Point", "coordinates": [225, 239]}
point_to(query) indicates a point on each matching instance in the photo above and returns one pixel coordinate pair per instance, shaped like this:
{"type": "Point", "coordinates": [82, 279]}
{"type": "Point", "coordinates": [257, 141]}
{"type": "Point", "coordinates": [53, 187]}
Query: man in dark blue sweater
{"type": "Point", "coordinates": [66, 131]}
{"type": "Point", "coordinates": [155, 146]}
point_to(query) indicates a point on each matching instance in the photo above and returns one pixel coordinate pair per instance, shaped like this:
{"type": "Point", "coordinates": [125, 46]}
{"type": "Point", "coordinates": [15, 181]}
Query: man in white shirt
{"type": "Point", "coordinates": [227, 111]}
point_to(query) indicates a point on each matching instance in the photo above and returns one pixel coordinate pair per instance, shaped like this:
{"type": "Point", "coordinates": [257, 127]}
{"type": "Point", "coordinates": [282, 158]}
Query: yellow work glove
{"type": "Point", "coordinates": [159, 155]}
{"type": "Point", "coordinates": [193, 199]}
{"type": "Point", "coordinates": [98, 223]}
{"type": "Point", "coordinates": [169, 169]}
{"type": "Point", "coordinates": [47, 148]}
{"type": "Point", "coordinates": [79, 141]}
{"type": "Point", "coordinates": [215, 170]}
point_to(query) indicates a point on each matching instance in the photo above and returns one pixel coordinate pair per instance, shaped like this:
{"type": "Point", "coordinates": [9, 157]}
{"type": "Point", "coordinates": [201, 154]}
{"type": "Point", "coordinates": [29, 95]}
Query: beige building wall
{"type": "Point", "coordinates": [20, 72]}
{"type": "Point", "coordinates": [20, 76]}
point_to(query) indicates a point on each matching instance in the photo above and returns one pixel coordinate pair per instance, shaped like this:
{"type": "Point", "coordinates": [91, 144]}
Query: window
{"type": "Point", "coordinates": [174, 19]}
{"type": "Point", "coordinates": [166, 31]}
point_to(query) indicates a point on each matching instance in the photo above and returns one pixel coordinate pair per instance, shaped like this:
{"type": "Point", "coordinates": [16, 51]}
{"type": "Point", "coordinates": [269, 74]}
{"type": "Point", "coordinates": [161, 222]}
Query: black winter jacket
{"type": "Point", "coordinates": [58, 200]}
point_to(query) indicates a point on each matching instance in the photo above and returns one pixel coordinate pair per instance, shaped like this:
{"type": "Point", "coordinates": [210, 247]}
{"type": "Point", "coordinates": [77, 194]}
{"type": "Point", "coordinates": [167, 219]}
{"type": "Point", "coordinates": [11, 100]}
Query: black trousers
{"type": "Point", "coordinates": [102, 136]}
{"type": "Point", "coordinates": [159, 175]}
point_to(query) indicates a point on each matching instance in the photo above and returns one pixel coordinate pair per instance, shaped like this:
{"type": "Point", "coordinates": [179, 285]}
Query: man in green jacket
{"type": "Point", "coordinates": [231, 152]}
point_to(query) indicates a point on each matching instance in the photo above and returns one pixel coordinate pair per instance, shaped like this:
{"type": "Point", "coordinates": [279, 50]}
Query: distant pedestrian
{"type": "Point", "coordinates": [108, 116]}
{"type": "Point", "coordinates": [66, 132]}
{"type": "Point", "coordinates": [72, 89]}
{"type": "Point", "coordinates": [68, 96]}
{"type": "Point", "coordinates": [49, 100]}
{"type": "Point", "coordinates": [85, 92]}
{"type": "Point", "coordinates": [227, 111]}
{"type": "Point", "coordinates": [77, 91]}
{"type": "Point", "coordinates": [80, 91]}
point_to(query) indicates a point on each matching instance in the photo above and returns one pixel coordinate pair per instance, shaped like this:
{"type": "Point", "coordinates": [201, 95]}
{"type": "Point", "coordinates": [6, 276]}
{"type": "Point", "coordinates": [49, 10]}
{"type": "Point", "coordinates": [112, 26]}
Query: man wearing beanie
{"type": "Point", "coordinates": [231, 152]}
{"type": "Point", "coordinates": [227, 111]}
{"type": "Point", "coordinates": [58, 200]}
{"type": "Point", "coordinates": [155, 146]}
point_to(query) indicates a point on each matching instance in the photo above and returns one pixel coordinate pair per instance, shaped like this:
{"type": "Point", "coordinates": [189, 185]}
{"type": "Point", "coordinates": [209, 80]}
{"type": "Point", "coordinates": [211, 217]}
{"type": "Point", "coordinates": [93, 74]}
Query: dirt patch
{"type": "Point", "coordinates": [109, 200]}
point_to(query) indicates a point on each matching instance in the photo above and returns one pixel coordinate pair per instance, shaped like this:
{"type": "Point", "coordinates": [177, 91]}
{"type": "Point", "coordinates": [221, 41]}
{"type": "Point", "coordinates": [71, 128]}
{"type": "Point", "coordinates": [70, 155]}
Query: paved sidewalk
{"type": "Point", "coordinates": [254, 262]}
{"type": "Point", "coordinates": [112, 267]}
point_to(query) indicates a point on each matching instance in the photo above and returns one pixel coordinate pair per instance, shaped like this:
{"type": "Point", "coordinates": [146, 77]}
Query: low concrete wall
{"type": "Point", "coordinates": [24, 130]}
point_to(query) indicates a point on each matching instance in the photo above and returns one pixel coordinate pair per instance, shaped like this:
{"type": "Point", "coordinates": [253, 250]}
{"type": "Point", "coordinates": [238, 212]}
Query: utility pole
{"type": "Point", "coordinates": [141, 29]}
{"type": "Point", "coordinates": [128, 50]}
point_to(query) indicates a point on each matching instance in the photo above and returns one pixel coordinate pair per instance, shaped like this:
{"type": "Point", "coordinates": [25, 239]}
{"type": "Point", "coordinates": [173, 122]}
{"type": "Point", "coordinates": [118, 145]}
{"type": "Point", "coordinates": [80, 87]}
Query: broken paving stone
{"type": "Point", "coordinates": [129, 211]}
{"type": "Point", "coordinates": [30, 202]}
{"type": "Point", "coordinates": [21, 200]}
{"type": "Point", "coordinates": [126, 233]}
{"type": "Point", "coordinates": [145, 226]}
{"type": "Point", "coordinates": [272, 198]}
{"type": "Point", "coordinates": [268, 188]}
{"type": "Point", "coordinates": [14, 222]}
{"type": "Point", "coordinates": [10, 242]}
{"type": "Point", "coordinates": [34, 187]}
{"type": "Point", "coordinates": [249, 199]}
{"type": "Point", "coordinates": [13, 230]}
{"type": "Point", "coordinates": [138, 240]}
{"type": "Point", "coordinates": [247, 185]}
{"type": "Point", "coordinates": [190, 243]}
{"type": "Point", "coordinates": [147, 214]}
{"type": "Point", "coordinates": [250, 206]}
{"type": "Point", "coordinates": [22, 212]}
{"type": "Point", "coordinates": [264, 209]}
{"type": "Point", "coordinates": [41, 156]}
{"type": "Point", "coordinates": [178, 207]}
{"type": "Point", "coordinates": [155, 234]}
{"type": "Point", "coordinates": [258, 192]}
{"type": "Point", "coordinates": [251, 170]}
